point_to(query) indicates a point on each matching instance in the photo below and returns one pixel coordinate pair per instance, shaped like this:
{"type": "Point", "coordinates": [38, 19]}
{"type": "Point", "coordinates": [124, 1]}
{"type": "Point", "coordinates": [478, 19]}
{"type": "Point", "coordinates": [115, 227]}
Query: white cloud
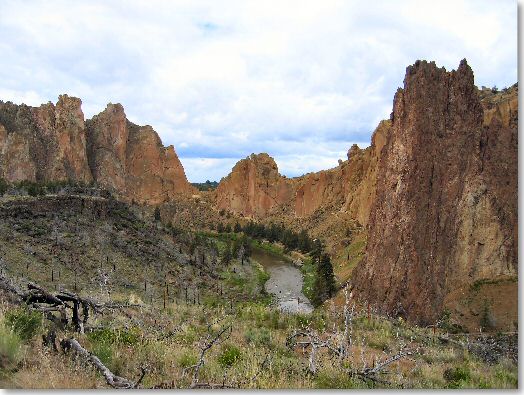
{"type": "Point", "coordinates": [223, 79]}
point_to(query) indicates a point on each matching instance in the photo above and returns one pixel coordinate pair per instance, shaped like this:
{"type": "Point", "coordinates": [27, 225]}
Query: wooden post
{"type": "Point", "coordinates": [186, 295]}
{"type": "Point", "coordinates": [164, 300]}
{"type": "Point", "coordinates": [145, 285]}
{"type": "Point", "coordinates": [52, 275]}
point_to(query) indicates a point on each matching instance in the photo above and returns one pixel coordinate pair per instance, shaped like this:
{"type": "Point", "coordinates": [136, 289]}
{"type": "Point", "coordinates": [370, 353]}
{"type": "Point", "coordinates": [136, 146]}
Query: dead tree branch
{"type": "Point", "coordinates": [111, 379]}
{"type": "Point", "coordinates": [208, 343]}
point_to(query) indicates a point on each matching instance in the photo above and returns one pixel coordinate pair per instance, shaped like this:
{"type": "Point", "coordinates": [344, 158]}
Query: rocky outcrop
{"type": "Point", "coordinates": [254, 187]}
{"type": "Point", "coordinates": [436, 191]}
{"type": "Point", "coordinates": [54, 143]}
{"type": "Point", "coordinates": [43, 143]}
{"type": "Point", "coordinates": [131, 161]}
{"type": "Point", "coordinates": [445, 211]}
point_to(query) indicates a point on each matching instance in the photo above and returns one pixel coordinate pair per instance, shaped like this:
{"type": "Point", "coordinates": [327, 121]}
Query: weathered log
{"type": "Point", "coordinates": [111, 379]}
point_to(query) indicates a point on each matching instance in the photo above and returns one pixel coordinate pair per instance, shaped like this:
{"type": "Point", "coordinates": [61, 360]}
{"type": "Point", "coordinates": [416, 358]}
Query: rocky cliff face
{"type": "Point", "coordinates": [254, 187]}
{"type": "Point", "coordinates": [445, 212]}
{"type": "Point", "coordinates": [131, 160]}
{"type": "Point", "coordinates": [53, 142]}
{"type": "Point", "coordinates": [436, 191]}
{"type": "Point", "coordinates": [43, 143]}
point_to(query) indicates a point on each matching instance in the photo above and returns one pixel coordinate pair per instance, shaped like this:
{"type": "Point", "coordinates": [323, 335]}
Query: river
{"type": "Point", "coordinates": [285, 282]}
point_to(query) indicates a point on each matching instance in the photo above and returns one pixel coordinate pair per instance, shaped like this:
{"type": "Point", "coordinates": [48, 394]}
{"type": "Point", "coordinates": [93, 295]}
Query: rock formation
{"type": "Point", "coordinates": [253, 188]}
{"type": "Point", "coordinates": [437, 190]}
{"type": "Point", "coordinates": [131, 160]}
{"type": "Point", "coordinates": [54, 143]}
{"type": "Point", "coordinates": [43, 143]}
{"type": "Point", "coordinates": [445, 212]}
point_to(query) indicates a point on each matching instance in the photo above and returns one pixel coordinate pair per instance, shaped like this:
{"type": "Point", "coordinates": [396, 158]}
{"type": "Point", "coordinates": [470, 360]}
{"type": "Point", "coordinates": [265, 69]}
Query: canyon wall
{"type": "Point", "coordinates": [54, 143]}
{"type": "Point", "coordinates": [436, 192]}
{"type": "Point", "coordinates": [445, 212]}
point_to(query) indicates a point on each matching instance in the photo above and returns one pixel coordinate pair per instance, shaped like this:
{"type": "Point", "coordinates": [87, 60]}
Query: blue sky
{"type": "Point", "coordinates": [300, 80]}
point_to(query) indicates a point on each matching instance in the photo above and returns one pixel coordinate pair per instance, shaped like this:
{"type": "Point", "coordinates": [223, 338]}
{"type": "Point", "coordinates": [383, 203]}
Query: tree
{"type": "Point", "coordinates": [324, 286]}
{"type": "Point", "coordinates": [304, 243]}
{"type": "Point", "coordinates": [317, 250]}
{"type": "Point", "coordinates": [226, 254]}
{"type": "Point", "coordinates": [3, 186]}
{"type": "Point", "coordinates": [237, 228]}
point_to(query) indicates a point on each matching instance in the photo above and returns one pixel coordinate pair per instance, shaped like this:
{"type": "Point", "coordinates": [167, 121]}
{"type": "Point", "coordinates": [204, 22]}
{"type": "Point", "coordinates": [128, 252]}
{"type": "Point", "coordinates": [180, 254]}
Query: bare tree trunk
{"type": "Point", "coordinates": [111, 379]}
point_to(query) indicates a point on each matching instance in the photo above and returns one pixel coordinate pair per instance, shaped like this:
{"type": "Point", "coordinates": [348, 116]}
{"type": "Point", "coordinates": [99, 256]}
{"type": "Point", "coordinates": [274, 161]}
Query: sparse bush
{"type": "Point", "coordinates": [258, 336]}
{"type": "Point", "coordinates": [26, 324]}
{"type": "Point", "coordinates": [229, 356]}
{"type": "Point", "coordinates": [337, 380]}
{"type": "Point", "coordinates": [457, 376]}
{"type": "Point", "coordinates": [3, 186]}
{"type": "Point", "coordinates": [157, 214]}
{"type": "Point", "coordinates": [10, 348]}
{"type": "Point", "coordinates": [111, 336]}
{"type": "Point", "coordinates": [486, 320]}
{"type": "Point", "coordinates": [187, 359]}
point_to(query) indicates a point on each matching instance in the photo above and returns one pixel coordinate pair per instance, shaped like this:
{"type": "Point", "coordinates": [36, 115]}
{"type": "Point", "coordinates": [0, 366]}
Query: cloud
{"type": "Point", "coordinates": [219, 80]}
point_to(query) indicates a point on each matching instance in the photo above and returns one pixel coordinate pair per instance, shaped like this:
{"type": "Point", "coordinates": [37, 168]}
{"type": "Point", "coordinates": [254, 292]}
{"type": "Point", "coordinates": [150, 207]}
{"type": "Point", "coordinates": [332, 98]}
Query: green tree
{"type": "Point", "coordinates": [3, 186]}
{"type": "Point", "coordinates": [317, 250]}
{"type": "Point", "coordinates": [226, 253]}
{"type": "Point", "coordinates": [304, 242]}
{"type": "Point", "coordinates": [157, 214]}
{"type": "Point", "coordinates": [324, 286]}
{"type": "Point", "coordinates": [237, 228]}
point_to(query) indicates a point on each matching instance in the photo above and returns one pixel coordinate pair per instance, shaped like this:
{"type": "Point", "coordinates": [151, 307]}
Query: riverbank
{"type": "Point", "coordinates": [306, 266]}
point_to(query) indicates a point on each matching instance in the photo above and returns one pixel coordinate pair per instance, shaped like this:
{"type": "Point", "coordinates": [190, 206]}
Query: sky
{"type": "Point", "coordinates": [300, 80]}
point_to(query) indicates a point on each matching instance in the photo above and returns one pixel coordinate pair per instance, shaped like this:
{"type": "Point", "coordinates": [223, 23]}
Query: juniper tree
{"type": "Point", "coordinates": [324, 286]}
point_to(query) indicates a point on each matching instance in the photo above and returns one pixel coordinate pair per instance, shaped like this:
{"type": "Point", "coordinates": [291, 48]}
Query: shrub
{"type": "Point", "coordinates": [26, 324]}
{"type": "Point", "coordinates": [187, 359]}
{"type": "Point", "coordinates": [10, 346]}
{"type": "Point", "coordinates": [111, 336]}
{"type": "Point", "coordinates": [229, 356]}
{"type": "Point", "coordinates": [104, 352]}
{"type": "Point", "coordinates": [486, 320]}
{"type": "Point", "coordinates": [337, 380]}
{"type": "Point", "coordinates": [457, 376]}
{"type": "Point", "coordinates": [3, 186]}
{"type": "Point", "coordinates": [258, 336]}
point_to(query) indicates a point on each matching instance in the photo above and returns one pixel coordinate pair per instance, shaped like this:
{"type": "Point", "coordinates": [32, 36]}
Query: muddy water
{"type": "Point", "coordinates": [285, 282]}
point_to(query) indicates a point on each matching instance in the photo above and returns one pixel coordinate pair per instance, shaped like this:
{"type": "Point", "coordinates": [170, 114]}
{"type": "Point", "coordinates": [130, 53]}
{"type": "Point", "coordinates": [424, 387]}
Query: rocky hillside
{"type": "Point", "coordinates": [54, 143]}
{"type": "Point", "coordinates": [435, 193]}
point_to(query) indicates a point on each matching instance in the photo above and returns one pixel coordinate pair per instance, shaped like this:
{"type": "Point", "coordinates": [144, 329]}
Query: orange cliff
{"type": "Point", "coordinates": [54, 143]}
{"type": "Point", "coordinates": [436, 192]}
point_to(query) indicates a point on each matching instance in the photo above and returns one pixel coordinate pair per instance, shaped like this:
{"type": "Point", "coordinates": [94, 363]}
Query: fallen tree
{"type": "Point", "coordinates": [111, 379]}
{"type": "Point", "coordinates": [39, 299]}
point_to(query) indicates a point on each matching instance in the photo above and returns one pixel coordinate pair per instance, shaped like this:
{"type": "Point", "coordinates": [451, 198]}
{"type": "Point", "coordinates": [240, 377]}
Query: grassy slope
{"type": "Point", "coordinates": [167, 340]}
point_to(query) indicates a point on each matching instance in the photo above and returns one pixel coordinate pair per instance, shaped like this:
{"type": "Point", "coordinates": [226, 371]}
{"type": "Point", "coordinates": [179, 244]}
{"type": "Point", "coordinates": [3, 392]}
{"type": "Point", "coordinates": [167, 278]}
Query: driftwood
{"type": "Point", "coordinates": [111, 379]}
